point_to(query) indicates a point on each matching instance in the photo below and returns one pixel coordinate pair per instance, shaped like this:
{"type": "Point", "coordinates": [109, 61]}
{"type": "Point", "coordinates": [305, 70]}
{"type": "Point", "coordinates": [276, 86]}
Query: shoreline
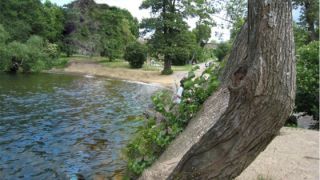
{"type": "Point", "coordinates": [153, 78]}
{"type": "Point", "coordinates": [83, 74]}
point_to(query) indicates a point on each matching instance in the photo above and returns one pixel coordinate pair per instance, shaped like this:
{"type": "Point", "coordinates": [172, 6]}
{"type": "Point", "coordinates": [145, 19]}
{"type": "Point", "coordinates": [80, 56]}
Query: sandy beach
{"type": "Point", "coordinates": [95, 69]}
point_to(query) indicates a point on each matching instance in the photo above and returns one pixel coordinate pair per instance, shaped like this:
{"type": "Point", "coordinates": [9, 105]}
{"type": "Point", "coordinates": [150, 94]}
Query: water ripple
{"type": "Point", "coordinates": [55, 126]}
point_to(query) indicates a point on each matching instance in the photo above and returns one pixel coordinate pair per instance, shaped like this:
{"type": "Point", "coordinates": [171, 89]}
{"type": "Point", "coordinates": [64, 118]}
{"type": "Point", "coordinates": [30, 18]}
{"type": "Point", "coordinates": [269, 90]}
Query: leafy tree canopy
{"type": "Point", "coordinates": [309, 17]}
{"type": "Point", "coordinates": [30, 17]}
{"type": "Point", "coordinates": [169, 22]}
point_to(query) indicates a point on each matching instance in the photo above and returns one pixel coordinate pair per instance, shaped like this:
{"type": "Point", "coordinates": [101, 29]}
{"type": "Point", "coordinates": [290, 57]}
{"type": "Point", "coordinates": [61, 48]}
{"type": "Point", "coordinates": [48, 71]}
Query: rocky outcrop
{"type": "Point", "coordinates": [98, 29]}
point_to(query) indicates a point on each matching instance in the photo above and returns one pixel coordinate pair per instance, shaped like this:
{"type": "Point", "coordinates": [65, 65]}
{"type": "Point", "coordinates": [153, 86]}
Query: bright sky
{"type": "Point", "coordinates": [218, 33]}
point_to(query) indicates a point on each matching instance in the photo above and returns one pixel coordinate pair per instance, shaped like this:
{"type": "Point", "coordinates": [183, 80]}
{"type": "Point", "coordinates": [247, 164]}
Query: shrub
{"type": "Point", "coordinates": [166, 71]}
{"type": "Point", "coordinates": [183, 56]}
{"type": "Point", "coordinates": [52, 50]}
{"type": "Point", "coordinates": [17, 54]}
{"type": "Point", "coordinates": [180, 57]}
{"type": "Point", "coordinates": [154, 137]}
{"type": "Point", "coordinates": [28, 57]}
{"type": "Point", "coordinates": [135, 54]}
{"type": "Point", "coordinates": [4, 35]}
{"type": "Point", "coordinates": [307, 98]}
{"type": "Point", "coordinates": [4, 58]}
{"type": "Point", "coordinates": [222, 50]}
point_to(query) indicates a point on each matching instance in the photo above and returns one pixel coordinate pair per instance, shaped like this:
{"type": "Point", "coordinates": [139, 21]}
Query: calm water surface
{"type": "Point", "coordinates": [55, 126]}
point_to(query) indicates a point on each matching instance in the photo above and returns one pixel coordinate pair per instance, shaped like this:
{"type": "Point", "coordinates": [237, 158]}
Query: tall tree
{"type": "Point", "coordinates": [168, 22]}
{"type": "Point", "coordinates": [309, 17]}
{"type": "Point", "coordinates": [255, 98]}
{"type": "Point", "coordinates": [53, 22]}
{"type": "Point", "coordinates": [203, 34]}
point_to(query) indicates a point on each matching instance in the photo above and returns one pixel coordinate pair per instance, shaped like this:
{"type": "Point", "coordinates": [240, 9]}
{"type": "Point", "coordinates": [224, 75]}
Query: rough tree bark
{"type": "Point", "coordinates": [241, 118]}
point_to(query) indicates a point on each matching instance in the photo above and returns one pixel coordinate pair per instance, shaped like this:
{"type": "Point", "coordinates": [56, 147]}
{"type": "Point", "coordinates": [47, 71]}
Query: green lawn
{"type": "Point", "coordinates": [119, 63]}
{"type": "Point", "coordinates": [147, 67]}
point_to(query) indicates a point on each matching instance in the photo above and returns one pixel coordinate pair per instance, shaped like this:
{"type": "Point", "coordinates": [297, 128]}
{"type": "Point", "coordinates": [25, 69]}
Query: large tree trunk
{"type": "Point", "coordinates": [256, 97]}
{"type": "Point", "coordinates": [167, 66]}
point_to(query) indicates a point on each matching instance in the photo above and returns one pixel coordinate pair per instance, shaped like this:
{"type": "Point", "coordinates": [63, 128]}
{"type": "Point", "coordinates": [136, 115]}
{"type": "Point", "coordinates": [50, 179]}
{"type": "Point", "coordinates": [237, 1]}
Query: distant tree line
{"type": "Point", "coordinates": [34, 34]}
{"type": "Point", "coordinates": [86, 28]}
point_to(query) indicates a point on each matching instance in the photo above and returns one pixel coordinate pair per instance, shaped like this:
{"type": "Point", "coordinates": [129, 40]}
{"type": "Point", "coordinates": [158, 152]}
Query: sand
{"type": "Point", "coordinates": [152, 77]}
{"type": "Point", "coordinates": [292, 155]}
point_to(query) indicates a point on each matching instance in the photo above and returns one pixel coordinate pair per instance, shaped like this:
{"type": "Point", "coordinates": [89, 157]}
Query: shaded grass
{"type": "Point", "coordinates": [263, 177]}
{"type": "Point", "coordinates": [118, 63]}
{"type": "Point", "coordinates": [60, 63]}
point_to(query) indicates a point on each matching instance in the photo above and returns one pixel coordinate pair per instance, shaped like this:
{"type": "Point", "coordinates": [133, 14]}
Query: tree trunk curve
{"type": "Point", "coordinates": [242, 117]}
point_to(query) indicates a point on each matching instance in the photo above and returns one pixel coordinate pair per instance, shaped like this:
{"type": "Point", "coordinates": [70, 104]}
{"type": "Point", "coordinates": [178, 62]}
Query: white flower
{"type": "Point", "coordinates": [206, 76]}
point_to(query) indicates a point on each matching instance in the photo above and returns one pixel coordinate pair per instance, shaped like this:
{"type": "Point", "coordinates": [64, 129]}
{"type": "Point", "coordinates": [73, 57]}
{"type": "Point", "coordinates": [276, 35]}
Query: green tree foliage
{"type": "Point", "coordinates": [307, 99]}
{"type": "Point", "coordinates": [306, 33]}
{"type": "Point", "coordinates": [309, 17]}
{"type": "Point", "coordinates": [34, 55]}
{"type": "Point", "coordinates": [29, 56]}
{"type": "Point", "coordinates": [98, 29]}
{"type": "Point", "coordinates": [236, 27]}
{"type": "Point", "coordinates": [300, 35]}
{"type": "Point", "coordinates": [185, 47]}
{"type": "Point", "coordinates": [236, 9]}
{"type": "Point", "coordinates": [4, 36]}
{"type": "Point", "coordinates": [168, 22]}
{"type": "Point", "coordinates": [53, 17]}
{"type": "Point", "coordinates": [203, 33]}
{"type": "Point", "coordinates": [82, 27]}
{"type": "Point", "coordinates": [236, 15]}
{"type": "Point", "coordinates": [27, 28]}
{"type": "Point", "coordinates": [31, 17]}
{"type": "Point", "coordinates": [222, 50]}
{"type": "Point", "coordinates": [136, 54]}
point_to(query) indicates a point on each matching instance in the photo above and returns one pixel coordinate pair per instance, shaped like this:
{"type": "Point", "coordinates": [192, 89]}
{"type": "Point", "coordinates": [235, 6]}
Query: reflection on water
{"type": "Point", "coordinates": [55, 126]}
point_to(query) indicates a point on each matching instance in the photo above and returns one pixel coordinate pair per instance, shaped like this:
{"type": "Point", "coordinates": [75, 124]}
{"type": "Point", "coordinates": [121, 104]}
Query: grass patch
{"type": "Point", "coordinates": [88, 58]}
{"type": "Point", "coordinates": [187, 67]}
{"type": "Point", "coordinates": [118, 63]}
{"type": "Point", "coordinates": [115, 64]}
{"type": "Point", "coordinates": [263, 177]}
{"type": "Point", "coordinates": [60, 63]}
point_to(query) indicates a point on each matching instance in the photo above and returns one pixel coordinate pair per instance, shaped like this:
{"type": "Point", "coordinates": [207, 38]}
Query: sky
{"type": "Point", "coordinates": [218, 33]}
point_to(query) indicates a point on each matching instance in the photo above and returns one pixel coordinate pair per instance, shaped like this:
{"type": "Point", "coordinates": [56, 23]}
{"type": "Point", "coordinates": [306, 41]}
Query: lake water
{"type": "Point", "coordinates": [55, 126]}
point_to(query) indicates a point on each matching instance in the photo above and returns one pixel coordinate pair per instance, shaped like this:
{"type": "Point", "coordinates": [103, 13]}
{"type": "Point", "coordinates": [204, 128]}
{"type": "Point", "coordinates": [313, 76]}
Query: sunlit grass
{"type": "Point", "coordinates": [119, 63]}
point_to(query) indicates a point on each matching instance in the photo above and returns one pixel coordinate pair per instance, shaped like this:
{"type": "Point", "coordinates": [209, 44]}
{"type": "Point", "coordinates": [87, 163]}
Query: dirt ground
{"type": "Point", "coordinates": [293, 155]}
